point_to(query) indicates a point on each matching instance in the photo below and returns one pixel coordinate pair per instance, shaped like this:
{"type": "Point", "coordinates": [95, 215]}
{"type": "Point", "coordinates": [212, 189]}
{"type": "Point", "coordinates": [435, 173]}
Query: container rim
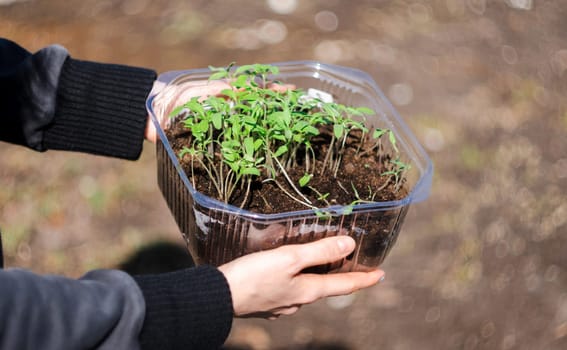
{"type": "Point", "coordinates": [419, 192]}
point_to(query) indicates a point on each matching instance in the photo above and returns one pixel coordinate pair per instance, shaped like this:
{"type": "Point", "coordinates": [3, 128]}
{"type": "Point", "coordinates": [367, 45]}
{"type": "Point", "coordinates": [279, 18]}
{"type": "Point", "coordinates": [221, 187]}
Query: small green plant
{"type": "Point", "coordinates": [252, 132]}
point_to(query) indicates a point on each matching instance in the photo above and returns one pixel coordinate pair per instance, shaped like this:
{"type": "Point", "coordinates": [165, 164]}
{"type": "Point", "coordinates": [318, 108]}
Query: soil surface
{"type": "Point", "coordinates": [482, 83]}
{"type": "Point", "coordinates": [360, 169]}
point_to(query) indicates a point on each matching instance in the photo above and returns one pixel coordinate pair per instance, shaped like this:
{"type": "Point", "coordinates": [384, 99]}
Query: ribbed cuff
{"type": "Point", "coordinates": [100, 109]}
{"type": "Point", "coordinates": [186, 309]}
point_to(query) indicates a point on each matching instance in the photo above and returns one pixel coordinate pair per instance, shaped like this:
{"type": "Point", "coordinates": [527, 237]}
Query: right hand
{"type": "Point", "coordinates": [270, 283]}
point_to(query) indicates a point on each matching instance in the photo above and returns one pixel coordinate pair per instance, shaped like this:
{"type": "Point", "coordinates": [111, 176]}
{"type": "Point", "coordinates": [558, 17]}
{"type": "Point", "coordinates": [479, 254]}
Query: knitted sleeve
{"type": "Point", "coordinates": [100, 109]}
{"type": "Point", "coordinates": [186, 309]}
{"type": "Point", "coordinates": [52, 101]}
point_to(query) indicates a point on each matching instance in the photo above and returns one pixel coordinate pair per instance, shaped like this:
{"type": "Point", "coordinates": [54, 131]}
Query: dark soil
{"type": "Point", "coordinates": [359, 170]}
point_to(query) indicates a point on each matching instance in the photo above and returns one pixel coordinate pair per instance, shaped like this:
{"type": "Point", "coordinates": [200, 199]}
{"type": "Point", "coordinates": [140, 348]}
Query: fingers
{"type": "Point", "coordinates": [269, 283]}
{"type": "Point", "coordinates": [281, 87]}
{"type": "Point", "coordinates": [290, 310]}
{"type": "Point", "coordinates": [150, 133]}
{"type": "Point", "coordinates": [326, 250]}
{"type": "Point", "coordinates": [157, 87]}
{"type": "Point", "coordinates": [287, 311]}
{"type": "Point", "coordinates": [201, 89]}
{"type": "Point", "coordinates": [321, 286]}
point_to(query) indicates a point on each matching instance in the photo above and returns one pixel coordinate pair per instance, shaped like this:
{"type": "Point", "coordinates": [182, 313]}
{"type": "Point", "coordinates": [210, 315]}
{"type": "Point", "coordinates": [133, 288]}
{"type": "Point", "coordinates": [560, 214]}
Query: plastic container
{"type": "Point", "coordinates": [217, 232]}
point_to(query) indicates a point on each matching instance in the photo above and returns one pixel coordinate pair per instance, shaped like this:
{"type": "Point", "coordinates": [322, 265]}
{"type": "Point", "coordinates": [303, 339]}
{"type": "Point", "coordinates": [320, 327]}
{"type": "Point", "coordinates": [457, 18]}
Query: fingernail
{"type": "Point", "coordinates": [345, 245]}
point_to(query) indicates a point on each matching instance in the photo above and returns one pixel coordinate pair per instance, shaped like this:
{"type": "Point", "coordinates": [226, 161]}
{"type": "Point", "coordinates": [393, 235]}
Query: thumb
{"type": "Point", "coordinates": [323, 251]}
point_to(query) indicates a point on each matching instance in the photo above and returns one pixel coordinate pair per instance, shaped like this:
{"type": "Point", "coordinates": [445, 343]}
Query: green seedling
{"type": "Point", "coordinates": [397, 171]}
{"type": "Point", "coordinates": [252, 132]}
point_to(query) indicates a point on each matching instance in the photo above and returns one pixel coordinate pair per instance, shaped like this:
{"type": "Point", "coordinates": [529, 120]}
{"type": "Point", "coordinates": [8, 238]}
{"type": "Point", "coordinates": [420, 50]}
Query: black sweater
{"type": "Point", "coordinates": [52, 101]}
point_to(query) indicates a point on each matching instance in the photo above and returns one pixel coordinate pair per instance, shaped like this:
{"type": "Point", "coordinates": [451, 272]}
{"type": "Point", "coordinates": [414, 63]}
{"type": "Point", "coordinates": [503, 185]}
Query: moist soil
{"type": "Point", "coordinates": [359, 170]}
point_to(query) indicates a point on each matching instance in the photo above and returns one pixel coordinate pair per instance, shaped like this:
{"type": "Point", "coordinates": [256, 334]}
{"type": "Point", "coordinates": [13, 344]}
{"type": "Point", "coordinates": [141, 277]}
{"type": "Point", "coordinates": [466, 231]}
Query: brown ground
{"type": "Point", "coordinates": [481, 265]}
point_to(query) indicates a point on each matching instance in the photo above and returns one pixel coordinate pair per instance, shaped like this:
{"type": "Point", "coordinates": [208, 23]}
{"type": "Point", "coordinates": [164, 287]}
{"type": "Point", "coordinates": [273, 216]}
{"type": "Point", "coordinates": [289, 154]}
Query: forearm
{"type": "Point", "coordinates": [186, 309]}
{"type": "Point", "coordinates": [105, 308]}
{"type": "Point", "coordinates": [100, 109]}
{"type": "Point", "coordinates": [52, 101]}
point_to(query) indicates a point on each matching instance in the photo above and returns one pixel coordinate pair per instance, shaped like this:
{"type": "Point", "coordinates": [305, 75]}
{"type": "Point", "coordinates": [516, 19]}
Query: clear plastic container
{"type": "Point", "coordinates": [217, 232]}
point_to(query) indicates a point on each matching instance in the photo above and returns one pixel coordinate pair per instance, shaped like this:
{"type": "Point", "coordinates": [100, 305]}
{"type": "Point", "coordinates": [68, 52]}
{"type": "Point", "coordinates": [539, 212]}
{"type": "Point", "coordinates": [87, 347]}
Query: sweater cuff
{"type": "Point", "coordinates": [100, 109]}
{"type": "Point", "coordinates": [186, 309]}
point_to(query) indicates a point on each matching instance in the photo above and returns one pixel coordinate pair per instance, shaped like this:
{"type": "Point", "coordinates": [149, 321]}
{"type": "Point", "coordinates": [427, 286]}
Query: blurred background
{"type": "Point", "coordinates": [482, 83]}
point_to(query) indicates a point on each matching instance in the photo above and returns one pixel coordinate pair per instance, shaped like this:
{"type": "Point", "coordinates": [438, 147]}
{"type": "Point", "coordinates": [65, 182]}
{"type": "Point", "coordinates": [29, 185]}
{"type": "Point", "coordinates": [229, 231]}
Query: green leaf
{"type": "Point", "coordinates": [305, 180]}
{"type": "Point", "coordinates": [230, 157]}
{"type": "Point", "coordinates": [258, 143]}
{"type": "Point", "coordinates": [392, 138]}
{"type": "Point", "coordinates": [216, 69]}
{"type": "Point", "coordinates": [322, 214]}
{"type": "Point", "coordinates": [185, 151]}
{"type": "Point", "coordinates": [378, 133]}
{"type": "Point", "coordinates": [338, 130]}
{"type": "Point", "coordinates": [275, 70]}
{"type": "Point", "coordinates": [176, 111]}
{"type": "Point", "coordinates": [365, 110]}
{"type": "Point", "coordinates": [216, 118]}
{"type": "Point", "coordinates": [215, 103]}
{"type": "Point", "coordinates": [241, 81]}
{"type": "Point", "coordinates": [281, 150]}
{"type": "Point", "coordinates": [311, 131]}
{"type": "Point", "coordinates": [280, 117]}
{"type": "Point", "coordinates": [278, 136]}
{"type": "Point", "coordinates": [236, 129]}
{"type": "Point", "coordinates": [300, 125]}
{"type": "Point", "coordinates": [250, 171]}
{"type": "Point", "coordinates": [331, 110]}
{"type": "Point", "coordinates": [242, 108]}
{"type": "Point", "coordinates": [248, 69]}
{"type": "Point", "coordinates": [218, 75]}
{"type": "Point", "coordinates": [200, 127]}
{"type": "Point", "coordinates": [229, 93]}
{"type": "Point", "coordinates": [234, 166]}
{"type": "Point", "coordinates": [195, 106]}
{"type": "Point", "coordinates": [250, 120]}
{"type": "Point", "coordinates": [248, 145]}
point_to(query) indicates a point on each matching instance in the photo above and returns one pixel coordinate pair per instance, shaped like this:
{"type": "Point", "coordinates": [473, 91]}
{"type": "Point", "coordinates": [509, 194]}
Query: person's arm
{"type": "Point", "coordinates": [103, 309]}
{"type": "Point", "coordinates": [106, 309]}
{"type": "Point", "coordinates": [52, 101]}
{"type": "Point", "coordinates": [186, 309]}
{"type": "Point", "coordinates": [61, 103]}
{"type": "Point", "coordinates": [193, 308]}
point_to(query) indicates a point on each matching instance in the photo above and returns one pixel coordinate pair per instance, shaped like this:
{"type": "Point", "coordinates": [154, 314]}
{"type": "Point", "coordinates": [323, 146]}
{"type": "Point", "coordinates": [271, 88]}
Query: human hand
{"type": "Point", "coordinates": [174, 95]}
{"type": "Point", "coordinates": [150, 133]}
{"type": "Point", "coordinates": [270, 283]}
